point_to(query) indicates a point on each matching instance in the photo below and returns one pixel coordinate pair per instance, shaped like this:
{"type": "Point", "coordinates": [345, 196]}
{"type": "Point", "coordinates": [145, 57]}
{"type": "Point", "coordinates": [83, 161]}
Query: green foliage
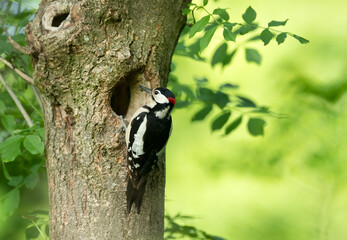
{"type": "Point", "coordinates": [250, 15]}
{"type": "Point", "coordinates": [176, 229]}
{"type": "Point", "coordinates": [38, 225]}
{"type": "Point", "coordinates": [219, 19]}
{"type": "Point", "coordinates": [222, 104]}
{"type": "Point", "coordinates": [252, 55]}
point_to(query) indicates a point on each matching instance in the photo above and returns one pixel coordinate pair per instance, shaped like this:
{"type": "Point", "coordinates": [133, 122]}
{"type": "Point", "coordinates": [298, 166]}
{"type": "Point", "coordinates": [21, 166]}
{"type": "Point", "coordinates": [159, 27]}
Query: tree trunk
{"type": "Point", "coordinates": [89, 58]}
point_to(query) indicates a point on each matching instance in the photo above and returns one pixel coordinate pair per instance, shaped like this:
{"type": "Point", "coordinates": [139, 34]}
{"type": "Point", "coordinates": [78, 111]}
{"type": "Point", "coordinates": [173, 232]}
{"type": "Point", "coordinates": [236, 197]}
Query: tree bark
{"type": "Point", "coordinates": [89, 58]}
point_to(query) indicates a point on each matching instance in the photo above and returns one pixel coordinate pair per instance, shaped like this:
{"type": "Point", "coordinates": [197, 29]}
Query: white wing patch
{"type": "Point", "coordinates": [127, 133]}
{"type": "Point", "coordinates": [137, 146]}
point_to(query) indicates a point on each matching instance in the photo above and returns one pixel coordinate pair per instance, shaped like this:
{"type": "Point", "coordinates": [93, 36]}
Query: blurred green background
{"type": "Point", "coordinates": [289, 184]}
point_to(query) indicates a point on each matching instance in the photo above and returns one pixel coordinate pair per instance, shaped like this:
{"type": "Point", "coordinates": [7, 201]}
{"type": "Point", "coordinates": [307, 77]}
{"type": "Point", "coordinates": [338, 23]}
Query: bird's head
{"type": "Point", "coordinates": [161, 95]}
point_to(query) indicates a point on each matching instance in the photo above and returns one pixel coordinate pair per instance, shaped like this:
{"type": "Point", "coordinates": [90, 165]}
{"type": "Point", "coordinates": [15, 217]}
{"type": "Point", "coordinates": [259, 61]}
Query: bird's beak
{"type": "Point", "coordinates": [143, 88]}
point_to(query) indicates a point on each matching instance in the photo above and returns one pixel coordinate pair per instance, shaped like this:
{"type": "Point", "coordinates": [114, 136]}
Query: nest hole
{"type": "Point", "coordinates": [120, 98]}
{"type": "Point", "coordinates": [58, 19]}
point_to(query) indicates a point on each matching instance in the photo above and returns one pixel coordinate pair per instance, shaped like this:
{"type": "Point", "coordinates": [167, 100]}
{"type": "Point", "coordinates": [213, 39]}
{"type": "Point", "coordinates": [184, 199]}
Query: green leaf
{"type": "Point", "coordinates": [301, 39]}
{"type": "Point", "coordinates": [245, 102]}
{"type": "Point", "coordinates": [202, 113]}
{"type": "Point", "coordinates": [4, 169]}
{"type": "Point", "coordinates": [233, 125]}
{"type": "Point", "coordinates": [281, 37]}
{"type": "Point", "coordinates": [2, 107]}
{"type": "Point", "coordinates": [220, 121]}
{"type": "Point", "coordinates": [10, 148]}
{"type": "Point", "coordinates": [9, 122]}
{"type": "Point", "coordinates": [256, 126]}
{"type": "Point", "coordinates": [220, 55]}
{"type": "Point", "coordinates": [186, 11]}
{"type": "Point", "coordinates": [205, 95]}
{"type": "Point", "coordinates": [31, 180]}
{"type": "Point", "coordinates": [15, 181]}
{"type": "Point", "coordinates": [199, 26]}
{"type": "Point", "coordinates": [222, 12]}
{"type": "Point", "coordinates": [33, 144]}
{"type": "Point", "coordinates": [252, 55]}
{"type": "Point", "coordinates": [31, 233]}
{"type": "Point", "coordinates": [266, 36]}
{"type": "Point", "coordinates": [228, 85]}
{"type": "Point", "coordinates": [229, 25]}
{"type": "Point", "coordinates": [205, 2]}
{"type": "Point", "coordinates": [221, 99]}
{"type": "Point", "coordinates": [206, 39]}
{"type": "Point", "coordinates": [244, 29]}
{"type": "Point", "coordinates": [229, 35]}
{"type": "Point", "coordinates": [277, 23]}
{"type": "Point", "coordinates": [11, 201]}
{"type": "Point", "coordinates": [40, 132]}
{"type": "Point", "coordinates": [250, 15]}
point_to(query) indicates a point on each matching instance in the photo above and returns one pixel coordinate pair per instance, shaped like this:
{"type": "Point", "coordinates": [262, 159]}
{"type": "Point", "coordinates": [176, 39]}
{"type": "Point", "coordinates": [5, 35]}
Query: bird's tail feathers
{"type": "Point", "coordinates": [135, 195]}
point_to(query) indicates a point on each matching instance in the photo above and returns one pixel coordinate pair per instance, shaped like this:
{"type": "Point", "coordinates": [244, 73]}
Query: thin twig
{"type": "Point", "coordinates": [36, 95]}
{"type": "Point", "coordinates": [17, 102]}
{"type": "Point", "coordinates": [20, 73]}
{"type": "Point", "coordinates": [16, 45]}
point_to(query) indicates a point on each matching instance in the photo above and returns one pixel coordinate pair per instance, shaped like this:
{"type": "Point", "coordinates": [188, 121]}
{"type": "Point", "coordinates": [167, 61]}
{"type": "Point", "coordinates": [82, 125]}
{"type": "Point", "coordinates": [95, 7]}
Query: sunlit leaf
{"type": "Point", "coordinates": [206, 39]}
{"type": "Point", "coordinates": [10, 148]}
{"type": "Point", "coordinates": [252, 55]}
{"type": "Point", "coordinates": [233, 125]}
{"type": "Point", "coordinates": [220, 120]}
{"type": "Point", "coordinates": [266, 36]}
{"type": "Point", "coordinates": [202, 113]}
{"type": "Point", "coordinates": [33, 144]}
{"type": "Point", "coordinates": [250, 15]}
{"type": "Point", "coordinates": [199, 26]}
{"type": "Point", "coordinates": [277, 23]}
{"type": "Point", "coordinates": [256, 126]}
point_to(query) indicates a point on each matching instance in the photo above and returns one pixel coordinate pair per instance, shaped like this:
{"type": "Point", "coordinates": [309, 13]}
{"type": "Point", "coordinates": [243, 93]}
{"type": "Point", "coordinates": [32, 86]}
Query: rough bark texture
{"type": "Point", "coordinates": [89, 58]}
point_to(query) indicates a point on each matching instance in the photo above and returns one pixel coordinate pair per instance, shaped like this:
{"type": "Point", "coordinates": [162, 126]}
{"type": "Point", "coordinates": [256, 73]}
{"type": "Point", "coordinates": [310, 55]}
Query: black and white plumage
{"type": "Point", "coordinates": [146, 137]}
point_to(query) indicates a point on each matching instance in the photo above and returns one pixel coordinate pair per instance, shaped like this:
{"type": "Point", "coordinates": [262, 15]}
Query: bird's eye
{"type": "Point", "coordinates": [156, 92]}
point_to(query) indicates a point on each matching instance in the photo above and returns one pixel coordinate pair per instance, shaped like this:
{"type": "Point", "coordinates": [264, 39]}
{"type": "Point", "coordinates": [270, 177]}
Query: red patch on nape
{"type": "Point", "coordinates": [172, 101]}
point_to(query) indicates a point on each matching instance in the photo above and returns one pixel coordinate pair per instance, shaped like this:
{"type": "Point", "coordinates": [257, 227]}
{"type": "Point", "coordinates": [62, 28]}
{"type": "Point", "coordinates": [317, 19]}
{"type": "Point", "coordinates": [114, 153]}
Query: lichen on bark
{"type": "Point", "coordinates": [87, 54]}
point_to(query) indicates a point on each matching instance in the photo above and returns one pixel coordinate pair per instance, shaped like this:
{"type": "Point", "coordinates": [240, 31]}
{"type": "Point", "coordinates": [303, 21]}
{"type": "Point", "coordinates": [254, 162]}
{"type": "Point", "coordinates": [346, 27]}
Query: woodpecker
{"type": "Point", "coordinates": [146, 138]}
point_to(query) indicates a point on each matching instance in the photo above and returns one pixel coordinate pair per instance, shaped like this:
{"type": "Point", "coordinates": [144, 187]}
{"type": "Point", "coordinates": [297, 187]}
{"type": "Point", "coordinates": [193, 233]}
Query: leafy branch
{"type": "Point", "coordinates": [219, 19]}
{"type": "Point", "coordinates": [227, 107]}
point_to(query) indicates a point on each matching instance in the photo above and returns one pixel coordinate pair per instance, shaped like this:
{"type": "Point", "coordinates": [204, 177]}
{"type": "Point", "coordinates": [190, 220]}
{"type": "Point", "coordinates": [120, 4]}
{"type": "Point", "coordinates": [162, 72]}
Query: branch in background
{"type": "Point", "coordinates": [19, 72]}
{"type": "Point", "coordinates": [36, 95]}
{"type": "Point", "coordinates": [17, 46]}
{"type": "Point", "coordinates": [17, 102]}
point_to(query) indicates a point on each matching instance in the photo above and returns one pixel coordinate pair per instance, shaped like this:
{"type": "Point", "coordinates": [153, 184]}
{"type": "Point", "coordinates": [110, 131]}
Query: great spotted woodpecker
{"type": "Point", "coordinates": [146, 137]}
